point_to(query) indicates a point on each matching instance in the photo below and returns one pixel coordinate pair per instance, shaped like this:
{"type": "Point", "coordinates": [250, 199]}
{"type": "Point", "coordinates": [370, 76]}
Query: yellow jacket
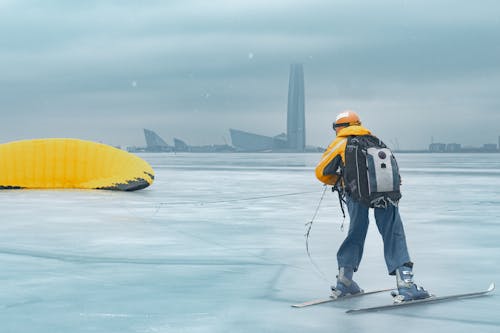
{"type": "Point", "coordinates": [324, 170]}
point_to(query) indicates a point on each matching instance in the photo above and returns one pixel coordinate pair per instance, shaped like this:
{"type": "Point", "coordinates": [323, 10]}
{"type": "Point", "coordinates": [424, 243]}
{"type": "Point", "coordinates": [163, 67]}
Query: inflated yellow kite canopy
{"type": "Point", "coordinates": [71, 163]}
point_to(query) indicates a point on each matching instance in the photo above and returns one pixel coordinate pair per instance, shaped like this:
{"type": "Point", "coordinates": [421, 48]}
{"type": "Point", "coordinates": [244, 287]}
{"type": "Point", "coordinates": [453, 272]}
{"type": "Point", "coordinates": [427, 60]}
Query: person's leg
{"type": "Point", "coordinates": [351, 251]}
{"type": "Point", "coordinates": [396, 254]}
{"type": "Point", "coordinates": [391, 228]}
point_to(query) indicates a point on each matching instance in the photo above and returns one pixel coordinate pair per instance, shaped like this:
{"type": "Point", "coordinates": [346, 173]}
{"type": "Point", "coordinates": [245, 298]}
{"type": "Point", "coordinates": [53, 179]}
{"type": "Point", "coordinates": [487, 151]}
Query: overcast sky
{"type": "Point", "coordinates": [104, 70]}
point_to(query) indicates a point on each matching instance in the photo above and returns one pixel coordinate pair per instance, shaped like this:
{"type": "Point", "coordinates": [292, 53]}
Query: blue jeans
{"type": "Point", "coordinates": [390, 227]}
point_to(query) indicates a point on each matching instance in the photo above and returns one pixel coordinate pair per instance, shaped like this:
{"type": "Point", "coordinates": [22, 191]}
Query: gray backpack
{"type": "Point", "coordinates": [371, 173]}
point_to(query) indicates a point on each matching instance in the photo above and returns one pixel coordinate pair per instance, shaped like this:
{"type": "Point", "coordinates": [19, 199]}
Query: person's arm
{"type": "Point", "coordinates": [327, 168]}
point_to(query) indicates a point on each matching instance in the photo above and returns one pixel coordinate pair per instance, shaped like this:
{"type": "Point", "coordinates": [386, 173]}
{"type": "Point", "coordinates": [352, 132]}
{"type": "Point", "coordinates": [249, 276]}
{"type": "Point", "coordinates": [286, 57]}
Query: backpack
{"type": "Point", "coordinates": [371, 173]}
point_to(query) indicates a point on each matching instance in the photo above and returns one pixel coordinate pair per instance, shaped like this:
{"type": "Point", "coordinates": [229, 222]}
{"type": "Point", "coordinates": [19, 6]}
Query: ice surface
{"type": "Point", "coordinates": [217, 245]}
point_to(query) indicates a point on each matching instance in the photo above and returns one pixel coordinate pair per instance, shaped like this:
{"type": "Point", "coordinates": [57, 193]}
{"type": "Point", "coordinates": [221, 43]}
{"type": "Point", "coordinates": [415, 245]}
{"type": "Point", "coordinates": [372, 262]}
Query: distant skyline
{"type": "Point", "coordinates": [192, 69]}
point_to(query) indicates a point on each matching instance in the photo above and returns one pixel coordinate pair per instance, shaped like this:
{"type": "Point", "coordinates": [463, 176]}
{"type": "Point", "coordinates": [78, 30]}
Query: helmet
{"type": "Point", "coordinates": [346, 118]}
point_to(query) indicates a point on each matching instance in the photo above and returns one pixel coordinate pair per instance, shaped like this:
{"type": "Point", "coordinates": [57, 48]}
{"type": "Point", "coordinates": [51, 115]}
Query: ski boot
{"type": "Point", "coordinates": [407, 289]}
{"type": "Point", "coordinates": [345, 285]}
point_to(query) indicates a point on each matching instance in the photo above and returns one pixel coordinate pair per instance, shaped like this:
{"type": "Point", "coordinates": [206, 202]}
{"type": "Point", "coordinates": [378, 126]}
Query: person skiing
{"type": "Point", "coordinates": [332, 170]}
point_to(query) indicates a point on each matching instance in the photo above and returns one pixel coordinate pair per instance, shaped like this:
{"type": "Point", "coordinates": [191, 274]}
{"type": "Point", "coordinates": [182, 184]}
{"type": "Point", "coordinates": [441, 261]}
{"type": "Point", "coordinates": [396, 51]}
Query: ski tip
{"type": "Point", "coordinates": [492, 287]}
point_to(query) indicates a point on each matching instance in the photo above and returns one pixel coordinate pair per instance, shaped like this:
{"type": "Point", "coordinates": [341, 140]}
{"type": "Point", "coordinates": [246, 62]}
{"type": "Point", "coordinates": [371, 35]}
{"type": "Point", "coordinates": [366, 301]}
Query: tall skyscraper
{"type": "Point", "coordinates": [296, 122]}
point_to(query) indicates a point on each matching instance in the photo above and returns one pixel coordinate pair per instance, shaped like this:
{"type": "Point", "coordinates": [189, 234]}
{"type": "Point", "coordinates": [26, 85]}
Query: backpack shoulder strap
{"type": "Point", "coordinates": [374, 141]}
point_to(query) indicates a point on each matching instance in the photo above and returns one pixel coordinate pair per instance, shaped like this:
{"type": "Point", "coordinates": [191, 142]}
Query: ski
{"type": "Point", "coordinates": [431, 299]}
{"type": "Point", "coordinates": [333, 299]}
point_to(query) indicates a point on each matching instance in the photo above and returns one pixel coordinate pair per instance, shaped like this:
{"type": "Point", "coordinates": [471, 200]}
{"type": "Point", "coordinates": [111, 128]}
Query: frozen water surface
{"type": "Point", "coordinates": [217, 245]}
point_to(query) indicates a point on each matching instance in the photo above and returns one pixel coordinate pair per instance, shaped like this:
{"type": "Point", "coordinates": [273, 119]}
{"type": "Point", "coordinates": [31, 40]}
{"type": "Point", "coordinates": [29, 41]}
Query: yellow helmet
{"type": "Point", "coordinates": [346, 118]}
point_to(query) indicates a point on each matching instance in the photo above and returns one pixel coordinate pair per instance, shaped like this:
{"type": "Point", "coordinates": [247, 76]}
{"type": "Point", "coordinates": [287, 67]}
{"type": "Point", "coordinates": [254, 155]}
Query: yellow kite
{"type": "Point", "coordinates": [71, 163]}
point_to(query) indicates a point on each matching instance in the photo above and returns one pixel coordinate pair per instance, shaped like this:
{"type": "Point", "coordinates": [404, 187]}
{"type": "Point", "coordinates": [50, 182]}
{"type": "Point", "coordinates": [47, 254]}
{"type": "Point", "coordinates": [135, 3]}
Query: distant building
{"type": "Point", "coordinates": [180, 145]}
{"type": "Point", "coordinates": [437, 147]}
{"type": "Point", "coordinates": [458, 148]}
{"type": "Point", "coordinates": [453, 147]}
{"type": "Point", "coordinates": [155, 143]}
{"type": "Point", "coordinates": [295, 138]}
{"type": "Point", "coordinates": [296, 123]}
{"type": "Point", "coordinates": [247, 141]}
{"type": "Point", "coordinates": [490, 147]}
